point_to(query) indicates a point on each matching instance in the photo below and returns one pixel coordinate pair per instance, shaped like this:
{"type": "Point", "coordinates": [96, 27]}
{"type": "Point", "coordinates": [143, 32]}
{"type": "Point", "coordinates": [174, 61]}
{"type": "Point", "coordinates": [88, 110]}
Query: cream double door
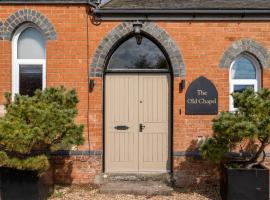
{"type": "Point", "coordinates": [137, 123]}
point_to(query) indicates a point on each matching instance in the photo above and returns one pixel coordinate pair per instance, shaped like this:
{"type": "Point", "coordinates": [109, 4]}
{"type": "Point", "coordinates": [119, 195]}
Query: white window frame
{"type": "Point", "coordinates": [256, 83]}
{"type": "Point", "coordinates": [17, 62]}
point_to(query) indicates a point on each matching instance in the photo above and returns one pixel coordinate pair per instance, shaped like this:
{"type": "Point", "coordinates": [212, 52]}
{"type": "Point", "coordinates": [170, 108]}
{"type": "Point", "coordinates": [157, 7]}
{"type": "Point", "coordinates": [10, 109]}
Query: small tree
{"type": "Point", "coordinates": [35, 126]}
{"type": "Point", "coordinates": [245, 131]}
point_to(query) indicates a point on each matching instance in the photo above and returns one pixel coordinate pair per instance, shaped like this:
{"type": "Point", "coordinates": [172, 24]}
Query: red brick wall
{"type": "Point", "coordinates": [76, 169]}
{"type": "Point", "coordinates": [202, 45]}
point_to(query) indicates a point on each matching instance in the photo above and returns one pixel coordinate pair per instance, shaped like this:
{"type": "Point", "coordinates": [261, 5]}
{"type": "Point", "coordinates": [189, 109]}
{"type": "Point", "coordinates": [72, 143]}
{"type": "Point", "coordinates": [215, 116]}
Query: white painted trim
{"type": "Point", "coordinates": [17, 62]}
{"type": "Point", "coordinates": [256, 83]}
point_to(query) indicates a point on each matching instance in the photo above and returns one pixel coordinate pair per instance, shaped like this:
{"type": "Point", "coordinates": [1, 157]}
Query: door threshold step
{"type": "Point", "coordinates": [107, 177]}
{"type": "Point", "coordinates": [147, 188]}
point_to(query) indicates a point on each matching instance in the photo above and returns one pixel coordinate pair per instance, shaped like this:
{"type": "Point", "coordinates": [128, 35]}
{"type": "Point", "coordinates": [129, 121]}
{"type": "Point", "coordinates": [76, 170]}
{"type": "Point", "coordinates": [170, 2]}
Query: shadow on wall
{"type": "Point", "coordinates": [192, 174]}
{"type": "Point", "coordinates": [76, 168]}
{"type": "Point", "coordinates": [62, 167]}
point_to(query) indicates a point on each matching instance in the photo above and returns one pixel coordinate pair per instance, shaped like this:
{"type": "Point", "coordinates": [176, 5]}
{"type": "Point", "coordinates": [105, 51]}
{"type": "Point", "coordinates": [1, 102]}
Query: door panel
{"type": "Point", "coordinates": [154, 116]}
{"type": "Point", "coordinates": [131, 100]}
{"type": "Point", "coordinates": [121, 101]}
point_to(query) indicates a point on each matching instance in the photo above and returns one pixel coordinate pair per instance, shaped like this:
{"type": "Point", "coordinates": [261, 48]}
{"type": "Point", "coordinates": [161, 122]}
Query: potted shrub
{"type": "Point", "coordinates": [238, 145]}
{"type": "Point", "coordinates": [32, 128]}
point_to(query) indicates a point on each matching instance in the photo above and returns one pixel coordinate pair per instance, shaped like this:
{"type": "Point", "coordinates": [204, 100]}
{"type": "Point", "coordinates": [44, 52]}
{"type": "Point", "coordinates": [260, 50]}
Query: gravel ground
{"type": "Point", "coordinates": [86, 192]}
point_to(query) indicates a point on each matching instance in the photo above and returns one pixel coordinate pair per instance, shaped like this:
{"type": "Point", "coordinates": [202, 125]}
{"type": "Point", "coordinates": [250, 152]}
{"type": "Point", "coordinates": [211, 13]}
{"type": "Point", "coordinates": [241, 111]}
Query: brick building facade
{"type": "Point", "coordinates": [197, 40]}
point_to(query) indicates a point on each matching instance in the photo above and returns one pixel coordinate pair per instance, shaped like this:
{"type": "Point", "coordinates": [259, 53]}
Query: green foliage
{"type": "Point", "coordinates": [35, 126]}
{"type": "Point", "coordinates": [251, 122]}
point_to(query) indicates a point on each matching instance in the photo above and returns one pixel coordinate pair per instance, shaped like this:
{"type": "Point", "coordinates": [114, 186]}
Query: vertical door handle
{"type": "Point", "coordinates": [142, 127]}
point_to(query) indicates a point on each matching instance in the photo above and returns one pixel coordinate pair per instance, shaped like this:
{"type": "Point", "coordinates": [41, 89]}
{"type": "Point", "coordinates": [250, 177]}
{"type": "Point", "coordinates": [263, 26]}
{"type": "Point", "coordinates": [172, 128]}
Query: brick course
{"type": "Point", "coordinates": [69, 55]}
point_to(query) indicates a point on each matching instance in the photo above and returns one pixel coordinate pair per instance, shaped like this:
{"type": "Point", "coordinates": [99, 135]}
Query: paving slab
{"type": "Point", "coordinates": [148, 188]}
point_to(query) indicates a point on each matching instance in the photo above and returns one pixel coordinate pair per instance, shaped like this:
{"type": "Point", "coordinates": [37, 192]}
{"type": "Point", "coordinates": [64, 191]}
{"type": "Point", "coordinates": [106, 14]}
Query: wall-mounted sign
{"type": "Point", "coordinates": [201, 98]}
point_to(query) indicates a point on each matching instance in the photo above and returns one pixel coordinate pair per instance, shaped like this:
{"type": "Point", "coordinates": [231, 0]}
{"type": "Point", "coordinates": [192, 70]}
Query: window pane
{"type": "Point", "coordinates": [30, 79]}
{"type": "Point", "coordinates": [131, 55]}
{"type": "Point", "coordinates": [31, 45]}
{"type": "Point", "coordinates": [243, 68]}
{"type": "Point", "coordinates": [241, 88]}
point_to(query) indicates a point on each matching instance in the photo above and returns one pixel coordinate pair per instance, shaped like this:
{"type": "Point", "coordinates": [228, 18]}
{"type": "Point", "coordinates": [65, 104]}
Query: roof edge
{"type": "Point", "coordinates": [178, 11]}
{"type": "Point", "coordinates": [93, 2]}
{"type": "Point", "coordinates": [184, 14]}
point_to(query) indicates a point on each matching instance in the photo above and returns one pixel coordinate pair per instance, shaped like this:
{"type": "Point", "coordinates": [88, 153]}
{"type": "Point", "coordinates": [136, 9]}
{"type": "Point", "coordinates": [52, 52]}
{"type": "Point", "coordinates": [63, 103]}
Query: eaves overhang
{"type": "Point", "coordinates": [184, 15]}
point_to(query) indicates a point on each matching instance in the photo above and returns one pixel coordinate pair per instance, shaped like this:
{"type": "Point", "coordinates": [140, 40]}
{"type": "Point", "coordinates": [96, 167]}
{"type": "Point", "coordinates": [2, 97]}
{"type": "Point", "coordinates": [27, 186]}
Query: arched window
{"type": "Point", "coordinates": [29, 60]}
{"type": "Point", "coordinates": [138, 53]}
{"type": "Point", "coordinates": [245, 72]}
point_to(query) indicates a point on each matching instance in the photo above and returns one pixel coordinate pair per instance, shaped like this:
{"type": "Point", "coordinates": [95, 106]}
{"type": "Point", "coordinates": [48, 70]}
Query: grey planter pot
{"type": "Point", "coordinates": [244, 184]}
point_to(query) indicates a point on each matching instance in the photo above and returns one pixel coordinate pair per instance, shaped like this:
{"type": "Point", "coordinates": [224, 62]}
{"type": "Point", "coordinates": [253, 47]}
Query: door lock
{"type": "Point", "coordinates": [142, 127]}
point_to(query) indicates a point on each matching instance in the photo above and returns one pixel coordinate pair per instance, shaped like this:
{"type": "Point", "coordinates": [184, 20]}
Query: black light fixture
{"type": "Point", "coordinates": [182, 85]}
{"type": "Point", "coordinates": [138, 39]}
{"type": "Point", "coordinates": [137, 30]}
{"type": "Point", "coordinates": [91, 85]}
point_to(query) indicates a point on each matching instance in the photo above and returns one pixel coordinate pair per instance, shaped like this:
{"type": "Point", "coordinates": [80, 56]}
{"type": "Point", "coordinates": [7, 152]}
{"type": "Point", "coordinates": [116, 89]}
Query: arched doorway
{"type": "Point", "coordinates": [137, 105]}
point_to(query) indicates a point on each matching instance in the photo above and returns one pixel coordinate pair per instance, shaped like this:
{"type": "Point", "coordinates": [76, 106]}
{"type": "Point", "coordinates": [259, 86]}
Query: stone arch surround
{"type": "Point", "coordinates": [8, 27]}
{"type": "Point", "coordinates": [245, 46]}
{"type": "Point", "coordinates": [98, 64]}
